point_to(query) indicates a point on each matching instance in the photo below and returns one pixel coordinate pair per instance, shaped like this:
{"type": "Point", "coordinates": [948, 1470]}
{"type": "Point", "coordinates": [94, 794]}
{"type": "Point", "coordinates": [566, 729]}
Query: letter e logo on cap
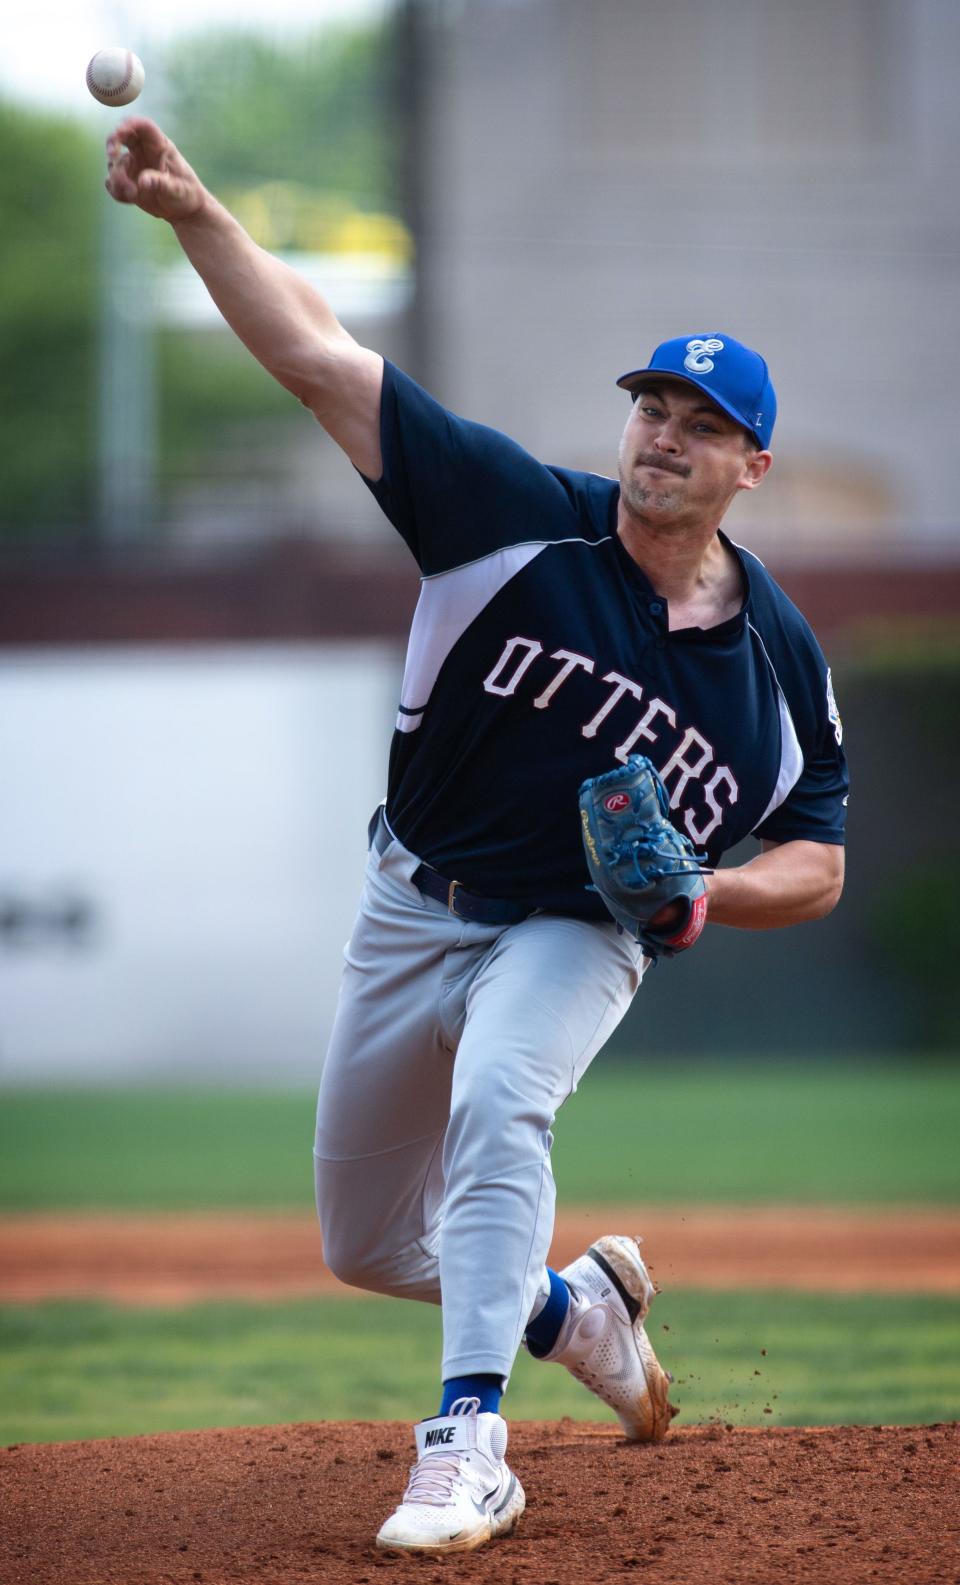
{"type": "Point", "coordinates": [697, 359]}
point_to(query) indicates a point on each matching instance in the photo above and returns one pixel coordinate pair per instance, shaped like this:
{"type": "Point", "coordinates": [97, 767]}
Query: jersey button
{"type": "Point", "coordinates": [656, 609]}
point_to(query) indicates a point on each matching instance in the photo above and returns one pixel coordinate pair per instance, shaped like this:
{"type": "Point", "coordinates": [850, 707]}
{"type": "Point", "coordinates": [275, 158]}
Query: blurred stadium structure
{"type": "Point", "coordinates": [190, 695]}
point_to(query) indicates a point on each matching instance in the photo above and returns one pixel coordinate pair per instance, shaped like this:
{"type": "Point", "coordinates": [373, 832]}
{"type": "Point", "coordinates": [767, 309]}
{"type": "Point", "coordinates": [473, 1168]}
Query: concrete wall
{"type": "Point", "coordinates": [596, 178]}
{"type": "Point", "coordinates": [182, 838]}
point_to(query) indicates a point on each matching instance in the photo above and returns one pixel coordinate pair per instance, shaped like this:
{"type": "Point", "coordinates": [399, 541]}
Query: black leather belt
{"type": "Point", "coordinates": [469, 906]}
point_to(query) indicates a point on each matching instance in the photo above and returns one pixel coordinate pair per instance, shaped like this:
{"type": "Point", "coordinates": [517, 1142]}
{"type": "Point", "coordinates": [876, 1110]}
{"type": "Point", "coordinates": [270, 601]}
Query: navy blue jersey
{"type": "Point", "coordinates": [541, 654]}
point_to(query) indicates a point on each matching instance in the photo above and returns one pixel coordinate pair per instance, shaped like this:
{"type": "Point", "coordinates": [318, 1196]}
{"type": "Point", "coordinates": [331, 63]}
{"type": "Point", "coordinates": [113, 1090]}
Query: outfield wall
{"type": "Point", "coordinates": [182, 834]}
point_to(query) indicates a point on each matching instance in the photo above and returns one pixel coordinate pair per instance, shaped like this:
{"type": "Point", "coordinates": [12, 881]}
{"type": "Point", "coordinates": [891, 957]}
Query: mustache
{"type": "Point", "coordinates": [650, 460]}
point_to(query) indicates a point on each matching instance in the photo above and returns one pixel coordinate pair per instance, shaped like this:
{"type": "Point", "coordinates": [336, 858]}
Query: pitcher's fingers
{"type": "Point", "coordinates": [119, 185]}
{"type": "Point", "coordinates": [170, 195]}
{"type": "Point", "coordinates": [139, 133]}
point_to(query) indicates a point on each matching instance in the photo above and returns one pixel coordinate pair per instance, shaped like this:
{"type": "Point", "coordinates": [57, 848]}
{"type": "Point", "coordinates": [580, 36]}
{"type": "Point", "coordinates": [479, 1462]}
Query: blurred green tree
{"type": "Point", "coordinates": [315, 113]}
{"type": "Point", "coordinates": [296, 135]}
{"type": "Point", "coordinates": [49, 168]}
{"type": "Point", "coordinates": [299, 140]}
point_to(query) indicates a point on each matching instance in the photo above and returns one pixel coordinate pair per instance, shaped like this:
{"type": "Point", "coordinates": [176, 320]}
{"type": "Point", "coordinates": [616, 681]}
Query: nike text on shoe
{"type": "Point", "coordinates": [602, 1340]}
{"type": "Point", "coordinates": [461, 1492]}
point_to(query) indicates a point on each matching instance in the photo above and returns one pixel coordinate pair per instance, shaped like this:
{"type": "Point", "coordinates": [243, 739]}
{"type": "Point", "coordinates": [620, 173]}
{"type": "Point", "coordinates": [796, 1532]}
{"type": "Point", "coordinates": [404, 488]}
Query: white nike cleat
{"type": "Point", "coordinates": [602, 1340]}
{"type": "Point", "coordinates": [461, 1492]}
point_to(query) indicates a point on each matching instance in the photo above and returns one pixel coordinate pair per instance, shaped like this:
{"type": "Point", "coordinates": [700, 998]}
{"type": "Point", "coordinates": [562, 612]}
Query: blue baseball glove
{"type": "Point", "coordinates": [647, 872]}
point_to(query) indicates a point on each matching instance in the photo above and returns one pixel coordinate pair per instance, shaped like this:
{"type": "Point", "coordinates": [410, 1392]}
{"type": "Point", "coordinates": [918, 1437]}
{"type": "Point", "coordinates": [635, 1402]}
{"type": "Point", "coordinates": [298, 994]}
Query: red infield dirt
{"type": "Point", "coordinates": [162, 1259]}
{"type": "Point", "coordinates": [302, 1503]}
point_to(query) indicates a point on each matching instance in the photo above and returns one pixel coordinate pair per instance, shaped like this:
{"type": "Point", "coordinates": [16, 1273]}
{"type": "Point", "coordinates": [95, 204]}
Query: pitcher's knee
{"type": "Point", "coordinates": [347, 1252]}
{"type": "Point", "coordinates": [406, 1271]}
{"type": "Point", "coordinates": [346, 1246]}
{"type": "Point", "coordinates": [351, 1267]}
{"type": "Point", "coordinates": [361, 1241]}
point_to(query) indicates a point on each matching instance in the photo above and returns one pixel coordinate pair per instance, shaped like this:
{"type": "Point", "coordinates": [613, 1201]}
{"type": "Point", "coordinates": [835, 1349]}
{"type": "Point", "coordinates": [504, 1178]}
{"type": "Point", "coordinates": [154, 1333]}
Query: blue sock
{"type": "Point", "coordinates": [542, 1333]}
{"type": "Point", "coordinates": [489, 1389]}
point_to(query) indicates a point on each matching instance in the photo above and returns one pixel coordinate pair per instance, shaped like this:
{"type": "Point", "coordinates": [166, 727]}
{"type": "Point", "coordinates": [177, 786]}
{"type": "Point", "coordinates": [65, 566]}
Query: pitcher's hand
{"type": "Point", "coordinates": [146, 169]}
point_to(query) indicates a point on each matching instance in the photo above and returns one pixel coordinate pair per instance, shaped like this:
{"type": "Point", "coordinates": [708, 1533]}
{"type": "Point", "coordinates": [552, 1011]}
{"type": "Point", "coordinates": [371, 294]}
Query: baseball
{"type": "Point", "coordinates": [115, 76]}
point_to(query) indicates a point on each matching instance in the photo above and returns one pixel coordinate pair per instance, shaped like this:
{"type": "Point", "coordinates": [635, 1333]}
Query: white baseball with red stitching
{"type": "Point", "coordinates": [115, 76]}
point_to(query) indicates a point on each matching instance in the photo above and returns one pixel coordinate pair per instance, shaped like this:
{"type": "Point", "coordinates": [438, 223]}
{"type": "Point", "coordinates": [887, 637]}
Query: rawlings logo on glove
{"type": "Point", "coordinates": [639, 863]}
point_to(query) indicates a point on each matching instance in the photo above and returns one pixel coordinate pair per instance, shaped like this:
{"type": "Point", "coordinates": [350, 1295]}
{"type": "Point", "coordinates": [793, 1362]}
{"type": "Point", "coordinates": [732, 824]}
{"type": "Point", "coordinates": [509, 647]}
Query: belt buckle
{"type": "Point", "coordinates": [451, 895]}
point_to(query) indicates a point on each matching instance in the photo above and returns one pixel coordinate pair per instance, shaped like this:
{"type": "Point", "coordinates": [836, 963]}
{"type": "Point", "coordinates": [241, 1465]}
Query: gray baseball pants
{"type": "Point", "coordinates": [454, 1045]}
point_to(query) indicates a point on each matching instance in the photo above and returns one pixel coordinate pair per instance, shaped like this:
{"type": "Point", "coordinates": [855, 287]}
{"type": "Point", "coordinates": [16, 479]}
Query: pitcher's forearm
{"type": "Point", "coordinates": [287, 325]}
{"type": "Point", "coordinates": [784, 886]}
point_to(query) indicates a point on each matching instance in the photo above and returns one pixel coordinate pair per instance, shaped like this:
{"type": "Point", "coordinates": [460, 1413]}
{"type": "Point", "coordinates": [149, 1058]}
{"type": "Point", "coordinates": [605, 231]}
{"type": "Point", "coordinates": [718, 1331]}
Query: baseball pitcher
{"type": "Point", "coordinates": [602, 694]}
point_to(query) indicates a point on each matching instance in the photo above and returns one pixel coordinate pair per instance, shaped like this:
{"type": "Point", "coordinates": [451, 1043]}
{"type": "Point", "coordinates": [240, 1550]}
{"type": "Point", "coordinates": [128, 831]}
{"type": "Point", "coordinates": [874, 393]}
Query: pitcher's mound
{"type": "Point", "coordinates": [303, 1502]}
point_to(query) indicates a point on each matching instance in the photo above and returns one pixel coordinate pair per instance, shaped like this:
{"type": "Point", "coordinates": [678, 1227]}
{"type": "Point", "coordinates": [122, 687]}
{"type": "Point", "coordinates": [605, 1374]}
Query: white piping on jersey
{"type": "Point", "coordinates": [748, 552]}
{"type": "Point", "coordinates": [791, 754]}
{"type": "Point", "coordinates": [538, 544]}
{"type": "Point", "coordinates": [448, 603]}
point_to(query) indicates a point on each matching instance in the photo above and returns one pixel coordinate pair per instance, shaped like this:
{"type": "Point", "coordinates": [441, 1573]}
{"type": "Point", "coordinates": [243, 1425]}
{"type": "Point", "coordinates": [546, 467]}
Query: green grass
{"type": "Point", "coordinates": [837, 1133]}
{"type": "Point", "coordinates": [844, 1133]}
{"type": "Point", "coordinates": [851, 1133]}
{"type": "Point", "coordinates": [164, 1150]}
{"type": "Point", "coordinates": [72, 1371]}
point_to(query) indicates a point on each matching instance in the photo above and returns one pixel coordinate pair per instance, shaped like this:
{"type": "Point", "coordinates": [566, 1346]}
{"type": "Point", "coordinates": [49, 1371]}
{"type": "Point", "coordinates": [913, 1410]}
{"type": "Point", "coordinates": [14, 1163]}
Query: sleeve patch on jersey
{"type": "Point", "coordinates": [832, 710]}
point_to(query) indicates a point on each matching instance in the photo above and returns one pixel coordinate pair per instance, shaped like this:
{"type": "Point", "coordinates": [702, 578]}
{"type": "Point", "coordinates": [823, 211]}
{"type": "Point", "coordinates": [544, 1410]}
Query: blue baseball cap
{"type": "Point", "coordinates": [733, 376]}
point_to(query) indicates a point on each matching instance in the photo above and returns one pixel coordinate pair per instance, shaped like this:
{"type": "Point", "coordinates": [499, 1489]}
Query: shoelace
{"type": "Point", "coordinates": [432, 1477]}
